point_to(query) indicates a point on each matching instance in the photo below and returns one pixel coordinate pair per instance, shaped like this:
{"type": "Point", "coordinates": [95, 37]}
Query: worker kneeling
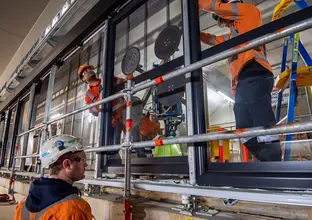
{"type": "Point", "coordinates": [56, 197]}
{"type": "Point", "coordinates": [252, 77]}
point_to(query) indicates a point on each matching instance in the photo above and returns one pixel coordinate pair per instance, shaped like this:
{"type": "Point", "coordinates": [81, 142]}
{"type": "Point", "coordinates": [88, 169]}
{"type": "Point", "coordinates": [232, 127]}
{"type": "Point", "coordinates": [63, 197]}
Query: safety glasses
{"type": "Point", "coordinates": [79, 159]}
{"type": "Point", "coordinates": [87, 70]}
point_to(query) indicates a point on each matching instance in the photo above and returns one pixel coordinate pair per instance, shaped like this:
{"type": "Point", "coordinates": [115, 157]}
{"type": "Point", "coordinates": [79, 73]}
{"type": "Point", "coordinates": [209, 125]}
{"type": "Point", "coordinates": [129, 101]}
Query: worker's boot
{"type": "Point", "coordinates": [270, 151]}
{"type": "Point", "coordinates": [264, 151]}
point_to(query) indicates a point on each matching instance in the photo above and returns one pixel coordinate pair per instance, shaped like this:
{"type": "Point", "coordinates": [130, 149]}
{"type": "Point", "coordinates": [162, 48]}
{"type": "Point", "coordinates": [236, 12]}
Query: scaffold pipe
{"type": "Point", "coordinates": [226, 135]}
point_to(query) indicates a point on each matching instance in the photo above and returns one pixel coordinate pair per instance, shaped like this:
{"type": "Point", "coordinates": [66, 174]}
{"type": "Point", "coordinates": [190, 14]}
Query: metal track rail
{"type": "Point", "coordinates": [263, 196]}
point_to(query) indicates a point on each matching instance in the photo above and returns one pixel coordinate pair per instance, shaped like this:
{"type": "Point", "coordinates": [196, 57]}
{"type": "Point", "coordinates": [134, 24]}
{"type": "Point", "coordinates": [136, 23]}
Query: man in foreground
{"type": "Point", "coordinates": [56, 197]}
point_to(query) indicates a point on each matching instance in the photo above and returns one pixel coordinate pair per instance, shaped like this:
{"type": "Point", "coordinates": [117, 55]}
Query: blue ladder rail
{"type": "Point", "coordinates": [297, 48]}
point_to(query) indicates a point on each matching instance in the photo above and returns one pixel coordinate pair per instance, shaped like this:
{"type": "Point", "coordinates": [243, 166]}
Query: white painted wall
{"type": "Point", "coordinates": [224, 115]}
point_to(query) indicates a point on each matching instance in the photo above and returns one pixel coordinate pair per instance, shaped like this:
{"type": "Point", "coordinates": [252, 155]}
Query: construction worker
{"type": "Point", "coordinates": [86, 74]}
{"type": "Point", "coordinates": [252, 77]}
{"type": "Point", "coordinates": [56, 197]}
{"type": "Point", "coordinates": [149, 128]}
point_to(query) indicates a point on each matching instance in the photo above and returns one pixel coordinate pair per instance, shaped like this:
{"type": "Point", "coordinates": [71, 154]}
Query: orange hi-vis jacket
{"type": "Point", "coordinates": [93, 95]}
{"type": "Point", "coordinates": [245, 17]}
{"type": "Point", "coordinates": [149, 127]}
{"type": "Point", "coordinates": [71, 207]}
{"type": "Point", "coordinates": [50, 198]}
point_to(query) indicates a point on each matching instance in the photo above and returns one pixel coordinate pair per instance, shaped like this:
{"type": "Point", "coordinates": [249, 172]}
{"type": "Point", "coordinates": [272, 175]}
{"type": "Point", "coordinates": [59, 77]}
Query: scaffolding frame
{"type": "Point", "coordinates": [131, 89]}
{"type": "Point", "coordinates": [207, 61]}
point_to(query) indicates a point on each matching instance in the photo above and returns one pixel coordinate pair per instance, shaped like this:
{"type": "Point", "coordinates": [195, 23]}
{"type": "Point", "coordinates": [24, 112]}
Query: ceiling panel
{"type": "Point", "coordinates": [8, 44]}
{"type": "Point", "coordinates": [17, 17]}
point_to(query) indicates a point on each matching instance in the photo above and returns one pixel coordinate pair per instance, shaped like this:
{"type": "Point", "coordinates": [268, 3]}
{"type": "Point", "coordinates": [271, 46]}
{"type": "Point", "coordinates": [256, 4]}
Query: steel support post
{"type": "Point", "coordinates": [85, 88]}
{"type": "Point", "coordinates": [127, 145]}
{"type": "Point", "coordinates": [75, 99]}
{"type": "Point", "coordinates": [10, 191]}
{"type": "Point", "coordinates": [106, 131]}
{"type": "Point", "coordinates": [16, 123]}
{"type": "Point", "coordinates": [194, 89]}
{"type": "Point", "coordinates": [30, 109]}
{"type": "Point", "coordinates": [292, 93]}
{"type": "Point", "coordinates": [67, 97]}
{"type": "Point", "coordinates": [38, 141]}
{"type": "Point", "coordinates": [95, 124]}
{"type": "Point", "coordinates": [205, 92]}
{"type": "Point", "coordinates": [100, 127]}
{"type": "Point", "coordinates": [48, 103]}
{"type": "Point", "coordinates": [8, 115]}
{"type": "Point", "coordinates": [14, 146]}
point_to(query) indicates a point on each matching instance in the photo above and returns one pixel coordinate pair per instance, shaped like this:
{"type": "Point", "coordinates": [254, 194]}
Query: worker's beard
{"type": "Point", "coordinates": [93, 80]}
{"type": "Point", "coordinates": [93, 77]}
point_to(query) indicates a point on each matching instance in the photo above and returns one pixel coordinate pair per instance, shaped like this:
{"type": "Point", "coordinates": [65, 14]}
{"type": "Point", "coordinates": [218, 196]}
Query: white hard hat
{"type": "Point", "coordinates": [56, 146]}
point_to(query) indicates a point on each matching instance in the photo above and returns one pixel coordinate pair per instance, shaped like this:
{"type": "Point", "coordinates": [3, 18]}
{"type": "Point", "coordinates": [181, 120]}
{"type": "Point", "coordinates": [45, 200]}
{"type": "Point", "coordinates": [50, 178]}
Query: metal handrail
{"type": "Point", "coordinates": [239, 133]}
{"type": "Point", "coordinates": [210, 136]}
{"type": "Point", "coordinates": [27, 156]}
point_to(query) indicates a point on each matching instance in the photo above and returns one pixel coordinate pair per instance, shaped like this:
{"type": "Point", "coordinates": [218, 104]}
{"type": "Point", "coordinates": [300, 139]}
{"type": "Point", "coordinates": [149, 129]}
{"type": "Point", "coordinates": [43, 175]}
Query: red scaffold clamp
{"type": "Point", "coordinates": [128, 124]}
{"type": "Point", "coordinates": [159, 80]}
{"type": "Point", "coordinates": [158, 142]}
{"type": "Point", "coordinates": [129, 77]}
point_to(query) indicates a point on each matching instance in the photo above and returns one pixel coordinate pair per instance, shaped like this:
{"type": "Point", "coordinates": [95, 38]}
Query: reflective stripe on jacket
{"type": "Point", "coordinates": [71, 207]}
{"type": "Point", "coordinates": [93, 95]}
{"type": "Point", "coordinates": [245, 17]}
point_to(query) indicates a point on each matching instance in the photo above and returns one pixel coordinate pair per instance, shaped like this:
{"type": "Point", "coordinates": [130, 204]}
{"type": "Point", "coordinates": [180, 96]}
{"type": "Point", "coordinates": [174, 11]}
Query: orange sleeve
{"type": "Point", "coordinates": [18, 212]}
{"type": "Point", "coordinates": [211, 39]}
{"type": "Point", "coordinates": [89, 101]}
{"type": "Point", "coordinates": [80, 215]}
{"type": "Point", "coordinates": [230, 11]}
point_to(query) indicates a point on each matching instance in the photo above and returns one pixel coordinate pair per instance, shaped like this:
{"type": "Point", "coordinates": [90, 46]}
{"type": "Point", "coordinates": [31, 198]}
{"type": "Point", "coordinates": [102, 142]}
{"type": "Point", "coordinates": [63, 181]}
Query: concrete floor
{"type": "Point", "coordinates": [6, 211]}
